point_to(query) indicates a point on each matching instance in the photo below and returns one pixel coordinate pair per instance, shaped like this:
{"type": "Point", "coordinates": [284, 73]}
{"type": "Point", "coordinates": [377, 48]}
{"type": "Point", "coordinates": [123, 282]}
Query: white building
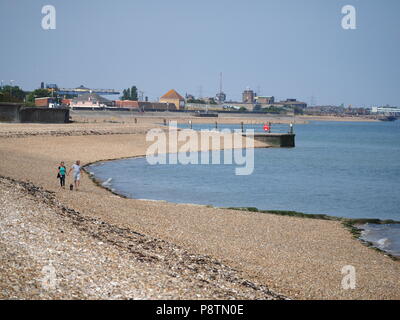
{"type": "Point", "coordinates": [90, 100]}
{"type": "Point", "coordinates": [386, 110]}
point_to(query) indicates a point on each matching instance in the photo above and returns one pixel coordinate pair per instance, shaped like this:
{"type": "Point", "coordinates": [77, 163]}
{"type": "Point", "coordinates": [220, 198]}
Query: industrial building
{"type": "Point", "coordinates": [291, 103]}
{"type": "Point", "coordinates": [81, 90]}
{"type": "Point", "coordinates": [265, 100]}
{"type": "Point", "coordinates": [127, 104]}
{"type": "Point", "coordinates": [248, 96]}
{"type": "Point", "coordinates": [386, 110]}
{"type": "Point", "coordinates": [46, 102]}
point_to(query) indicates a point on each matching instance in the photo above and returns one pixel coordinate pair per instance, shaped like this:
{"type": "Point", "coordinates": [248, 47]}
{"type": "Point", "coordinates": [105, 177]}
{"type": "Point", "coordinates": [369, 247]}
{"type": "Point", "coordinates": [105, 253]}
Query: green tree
{"type": "Point", "coordinates": [273, 109]}
{"type": "Point", "coordinates": [130, 94]}
{"type": "Point", "coordinates": [134, 94]}
{"type": "Point", "coordinates": [12, 94]}
{"type": "Point", "coordinates": [38, 93]}
{"type": "Point", "coordinates": [124, 95]}
{"type": "Point", "coordinates": [198, 101]}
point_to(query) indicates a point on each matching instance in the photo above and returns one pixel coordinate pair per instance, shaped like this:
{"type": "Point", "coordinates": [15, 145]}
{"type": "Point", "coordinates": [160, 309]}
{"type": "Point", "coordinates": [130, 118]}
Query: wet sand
{"type": "Point", "coordinates": [298, 258]}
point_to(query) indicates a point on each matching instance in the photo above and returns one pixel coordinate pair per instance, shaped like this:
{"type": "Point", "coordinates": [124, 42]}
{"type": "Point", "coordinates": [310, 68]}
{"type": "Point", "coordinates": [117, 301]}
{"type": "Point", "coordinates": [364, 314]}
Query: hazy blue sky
{"type": "Point", "coordinates": [287, 48]}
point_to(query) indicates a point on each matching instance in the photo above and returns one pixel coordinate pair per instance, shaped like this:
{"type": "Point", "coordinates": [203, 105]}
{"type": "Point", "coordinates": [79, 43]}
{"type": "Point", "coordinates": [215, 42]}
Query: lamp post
{"type": "Point", "coordinates": [11, 82]}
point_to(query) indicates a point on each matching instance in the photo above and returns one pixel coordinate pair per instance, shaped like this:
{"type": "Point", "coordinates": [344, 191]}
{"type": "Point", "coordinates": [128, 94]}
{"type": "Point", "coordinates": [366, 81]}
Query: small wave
{"type": "Point", "coordinates": [383, 243]}
{"type": "Point", "coordinates": [365, 233]}
{"type": "Point", "coordinates": [107, 182]}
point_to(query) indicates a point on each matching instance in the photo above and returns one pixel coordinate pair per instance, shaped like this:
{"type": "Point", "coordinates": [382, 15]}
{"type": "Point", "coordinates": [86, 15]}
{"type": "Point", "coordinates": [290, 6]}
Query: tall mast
{"type": "Point", "coordinates": [220, 82]}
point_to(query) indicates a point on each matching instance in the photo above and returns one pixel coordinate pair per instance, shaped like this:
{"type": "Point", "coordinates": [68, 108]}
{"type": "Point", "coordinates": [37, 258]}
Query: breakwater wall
{"type": "Point", "coordinates": [17, 113]}
{"type": "Point", "coordinates": [278, 140]}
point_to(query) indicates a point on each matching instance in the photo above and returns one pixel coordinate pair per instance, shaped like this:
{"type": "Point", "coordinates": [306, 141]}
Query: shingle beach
{"type": "Point", "coordinates": [103, 246]}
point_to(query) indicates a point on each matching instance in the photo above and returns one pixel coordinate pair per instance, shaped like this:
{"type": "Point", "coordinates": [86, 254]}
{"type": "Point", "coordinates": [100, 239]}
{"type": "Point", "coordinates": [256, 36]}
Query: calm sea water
{"type": "Point", "coordinates": [346, 169]}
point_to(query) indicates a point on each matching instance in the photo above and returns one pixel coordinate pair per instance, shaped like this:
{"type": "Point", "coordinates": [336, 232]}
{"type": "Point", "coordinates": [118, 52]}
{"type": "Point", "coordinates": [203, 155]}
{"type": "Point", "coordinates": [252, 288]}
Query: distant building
{"type": "Point", "coordinates": [293, 103]}
{"type": "Point", "coordinates": [209, 100]}
{"type": "Point", "coordinates": [127, 104]}
{"type": "Point", "coordinates": [336, 111]}
{"type": "Point", "coordinates": [265, 100]}
{"type": "Point", "coordinates": [248, 96]}
{"type": "Point", "coordinates": [90, 100]}
{"type": "Point", "coordinates": [174, 98]}
{"type": "Point", "coordinates": [82, 90]}
{"type": "Point", "coordinates": [386, 110]}
{"type": "Point", "coordinates": [221, 97]}
{"type": "Point", "coordinates": [46, 102]}
{"type": "Point", "coordinates": [51, 86]}
{"type": "Point", "coordinates": [66, 102]}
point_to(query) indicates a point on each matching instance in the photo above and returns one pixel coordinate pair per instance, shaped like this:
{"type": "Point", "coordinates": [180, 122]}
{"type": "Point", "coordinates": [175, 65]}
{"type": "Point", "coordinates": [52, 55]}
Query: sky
{"type": "Point", "coordinates": [282, 48]}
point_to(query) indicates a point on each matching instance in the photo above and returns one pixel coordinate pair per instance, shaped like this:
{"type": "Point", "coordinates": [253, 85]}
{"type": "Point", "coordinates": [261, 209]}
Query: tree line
{"type": "Point", "coordinates": [16, 94]}
{"type": "Point", "coordinates": [12, 94]}
{"type": "Point", "coordinates": [130, 94]}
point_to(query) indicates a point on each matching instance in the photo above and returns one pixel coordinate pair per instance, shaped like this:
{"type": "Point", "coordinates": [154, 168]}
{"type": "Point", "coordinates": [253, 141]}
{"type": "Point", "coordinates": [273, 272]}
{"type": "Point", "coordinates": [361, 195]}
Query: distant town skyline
{"type": "Point", "coordinates": [286, 48]}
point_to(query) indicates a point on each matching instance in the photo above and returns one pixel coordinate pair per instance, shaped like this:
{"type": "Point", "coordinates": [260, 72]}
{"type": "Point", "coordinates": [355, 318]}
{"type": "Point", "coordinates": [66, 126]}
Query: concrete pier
{"type": "Point", "coordinates": [278, 140]}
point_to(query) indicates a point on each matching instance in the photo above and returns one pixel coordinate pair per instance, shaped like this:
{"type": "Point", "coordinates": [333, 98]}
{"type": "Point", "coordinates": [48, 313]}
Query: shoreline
{"type": "Point", "coordinates": [278, 251]}
{"type": "Point", "coordinates": [352, 224]}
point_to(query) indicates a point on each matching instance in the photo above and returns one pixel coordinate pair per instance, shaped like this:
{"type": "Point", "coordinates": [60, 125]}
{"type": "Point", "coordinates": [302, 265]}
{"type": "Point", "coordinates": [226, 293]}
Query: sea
{"type": "Point", "coordinates": [343, 169]}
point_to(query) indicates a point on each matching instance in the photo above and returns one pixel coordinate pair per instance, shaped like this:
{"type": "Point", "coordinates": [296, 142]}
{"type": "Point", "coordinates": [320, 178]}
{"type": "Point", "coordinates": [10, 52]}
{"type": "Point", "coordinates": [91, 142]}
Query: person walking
{"type": "Point", "coordinates": [76, 168]}
{"type": "Point", "coordinates": [62, 170]}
